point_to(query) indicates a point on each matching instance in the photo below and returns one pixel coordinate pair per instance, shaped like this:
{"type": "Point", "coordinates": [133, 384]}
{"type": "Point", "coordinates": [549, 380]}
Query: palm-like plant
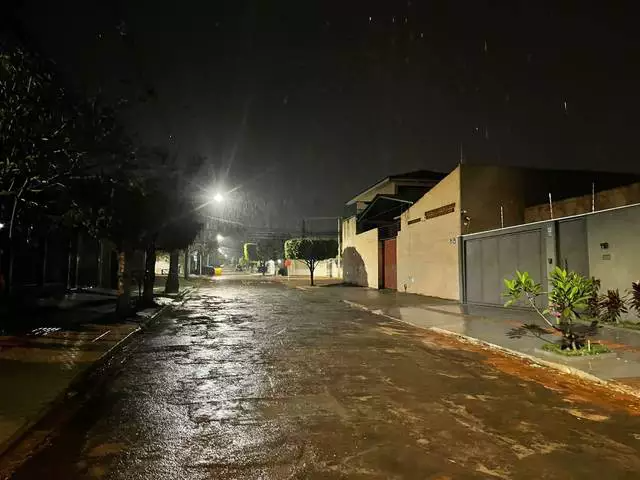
{"type": "Point", "coordinates": [635, 297]}
{"type": "Point", "coordinates": [613, 306]}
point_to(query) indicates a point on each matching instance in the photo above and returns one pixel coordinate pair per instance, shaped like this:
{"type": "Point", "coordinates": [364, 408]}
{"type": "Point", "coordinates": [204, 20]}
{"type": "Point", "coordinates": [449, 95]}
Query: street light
{"type": "Point", "coordinates": [219, 238]}
{"type": "Point", "coordinates": [1, 226]}
{"type": "Point", "coordinates": [218, 197]}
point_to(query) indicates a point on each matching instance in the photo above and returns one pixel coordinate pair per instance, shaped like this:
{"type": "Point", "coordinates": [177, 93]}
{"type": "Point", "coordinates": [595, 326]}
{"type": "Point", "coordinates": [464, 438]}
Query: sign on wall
{"type": "Point", "coordinates": [440, 211]}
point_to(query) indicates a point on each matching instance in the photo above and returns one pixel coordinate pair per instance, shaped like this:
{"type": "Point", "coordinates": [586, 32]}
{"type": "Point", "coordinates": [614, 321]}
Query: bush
{"type": "Point", "coordinates": [635, 297]}
{"type": "Point", "coordinates": [613, 306]}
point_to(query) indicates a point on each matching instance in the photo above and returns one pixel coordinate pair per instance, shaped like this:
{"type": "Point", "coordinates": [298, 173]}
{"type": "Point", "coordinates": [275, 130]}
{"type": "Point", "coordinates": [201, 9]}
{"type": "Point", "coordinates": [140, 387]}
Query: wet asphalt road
{"type": "Point", "coordinates": [251, 380]}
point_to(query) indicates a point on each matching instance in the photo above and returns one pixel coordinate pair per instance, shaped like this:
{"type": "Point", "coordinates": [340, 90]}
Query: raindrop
{"type": "Point", "coordinates": [564, 106]}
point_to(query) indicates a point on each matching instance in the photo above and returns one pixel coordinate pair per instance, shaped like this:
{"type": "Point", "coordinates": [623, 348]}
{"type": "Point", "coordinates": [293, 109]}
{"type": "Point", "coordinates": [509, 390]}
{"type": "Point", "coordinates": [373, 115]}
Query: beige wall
{"type": "Point", "coordinates": [621, 230]}
{"type": "Point", "coordinates": [360, 260]}
{"type": "Point", "coordinates": [427, 251]}
{"type": "Point", "coordinates": [616, 197]}
{"type": "Point", "coordinates": [484, 189]}
{"type": "Point", "coordinates": [325, 268]}
{"type": "Point", "coordinates": [348, 233]}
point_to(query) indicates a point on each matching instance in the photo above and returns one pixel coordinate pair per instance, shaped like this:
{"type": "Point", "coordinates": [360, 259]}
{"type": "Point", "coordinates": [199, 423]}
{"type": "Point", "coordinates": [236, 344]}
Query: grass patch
{"type": "Point", "coordinates": [596, 349]}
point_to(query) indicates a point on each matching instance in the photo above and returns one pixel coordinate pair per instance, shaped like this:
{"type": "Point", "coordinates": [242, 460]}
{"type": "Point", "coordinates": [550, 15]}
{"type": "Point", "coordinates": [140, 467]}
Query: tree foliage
{"type": "Point", "coordinates": [48, 138]}
{"type": "Point", "coordinates": [310, 251]}
{"type": "Point", "coordinates": [250, 252]}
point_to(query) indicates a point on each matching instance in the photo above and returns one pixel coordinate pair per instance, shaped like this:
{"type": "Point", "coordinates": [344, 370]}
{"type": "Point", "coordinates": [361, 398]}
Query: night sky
{"type": "Point", "coordinates": [306, 103]}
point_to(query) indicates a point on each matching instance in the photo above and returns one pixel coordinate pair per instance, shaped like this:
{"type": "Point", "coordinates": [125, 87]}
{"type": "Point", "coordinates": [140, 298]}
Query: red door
{"type": "Point", "coordinates": [390, 268]}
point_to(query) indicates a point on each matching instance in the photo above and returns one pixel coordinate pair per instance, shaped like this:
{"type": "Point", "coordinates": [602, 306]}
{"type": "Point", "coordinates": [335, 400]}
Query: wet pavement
{"type": "Point", "coordinates": [499, 326]}
{"type": "Point", "coordinates": [252, 380]}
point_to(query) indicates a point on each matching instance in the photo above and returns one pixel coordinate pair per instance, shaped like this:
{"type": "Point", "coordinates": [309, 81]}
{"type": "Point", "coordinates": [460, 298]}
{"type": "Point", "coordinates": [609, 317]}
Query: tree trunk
{"type": "Point", "coordinates": [173, 279]}
{"type": "Point", "coordinates": [123, 305]}
{"type": "Point", "coordinates": [187, 264]}
{"type": "Point", "coordinates": [200, 262]}
{"type": "Point", "coordinates": [42, 279]}
{"type": "Point", "coordinates": [100, 263]}
{"type": "Point", "coordinates": [9, 279]}
{"type": "Point", "coordinates": [78, 257]}
{"type": "Point", "coordinates": [312, 267]}
{"type": "Point", "coordinates": [149, 274]}
{"type": "Point", "coordinates": [69, 265]}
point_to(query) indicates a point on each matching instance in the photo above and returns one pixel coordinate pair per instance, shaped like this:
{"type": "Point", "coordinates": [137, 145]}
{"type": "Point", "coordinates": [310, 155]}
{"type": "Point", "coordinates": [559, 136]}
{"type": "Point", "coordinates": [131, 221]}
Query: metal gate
{"type": "Point", "coordinates": [490, 258]}
{"type": "Point", "coordinates": [389, 259]}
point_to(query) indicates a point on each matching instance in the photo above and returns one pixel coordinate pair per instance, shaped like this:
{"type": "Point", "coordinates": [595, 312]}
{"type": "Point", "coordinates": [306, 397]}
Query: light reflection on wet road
{"type": "Point", "coordinates": [255, 381]}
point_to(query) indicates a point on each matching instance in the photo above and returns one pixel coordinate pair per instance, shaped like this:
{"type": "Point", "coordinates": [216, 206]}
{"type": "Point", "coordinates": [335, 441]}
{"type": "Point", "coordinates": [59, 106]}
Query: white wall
{"type": "Point", "coordinates": [427, 250]}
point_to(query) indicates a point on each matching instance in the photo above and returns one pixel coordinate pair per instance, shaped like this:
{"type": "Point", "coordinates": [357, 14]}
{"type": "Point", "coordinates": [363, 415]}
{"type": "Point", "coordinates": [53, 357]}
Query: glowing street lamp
{"type": "Point", "coordinates": [1, 225]}
{"type": "Point", "coordinates": [218, 198]}
{"type": "Point", "coordinates": [219, 238]}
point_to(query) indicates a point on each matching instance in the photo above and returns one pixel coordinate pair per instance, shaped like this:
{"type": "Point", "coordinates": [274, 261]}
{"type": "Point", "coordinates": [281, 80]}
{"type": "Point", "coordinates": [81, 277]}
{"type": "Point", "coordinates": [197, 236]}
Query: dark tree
{"type": "Point", "coordinates": [175, 236]}
{"type": "Point", "coordinates": [311, 251]}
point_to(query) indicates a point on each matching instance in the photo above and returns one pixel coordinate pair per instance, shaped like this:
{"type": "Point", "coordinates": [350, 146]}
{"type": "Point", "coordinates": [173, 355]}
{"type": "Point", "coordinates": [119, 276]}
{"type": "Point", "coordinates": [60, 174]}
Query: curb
{"type": "Point", "coordinates": [80, 377]}
{"type": "Point", "coordinates": [566, 369]}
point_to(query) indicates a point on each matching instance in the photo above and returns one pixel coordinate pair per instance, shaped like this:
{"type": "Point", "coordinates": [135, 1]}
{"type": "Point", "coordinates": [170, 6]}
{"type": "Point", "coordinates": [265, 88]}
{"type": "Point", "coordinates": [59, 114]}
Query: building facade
{"type": "Point", "coordinates": [480, 223]}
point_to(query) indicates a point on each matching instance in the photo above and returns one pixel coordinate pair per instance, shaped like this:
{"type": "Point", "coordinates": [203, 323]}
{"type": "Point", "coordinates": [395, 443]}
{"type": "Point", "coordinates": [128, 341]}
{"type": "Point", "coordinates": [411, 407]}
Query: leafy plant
{"type": "Point", "coordinates": [593, 303]}
{"type": "Point", "coordinates": [569, 295]}
{"type": "Point", "coordinates": [635, 297]}
{"type": "Point", "coordinates": [613, 306]}
{"type": "Point", "coordinates": [568, 299]}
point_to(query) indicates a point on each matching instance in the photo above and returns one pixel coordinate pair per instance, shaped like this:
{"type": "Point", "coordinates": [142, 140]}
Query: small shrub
{"type": "Point", "coordinates": [635, 297]}
{"type": "Point", "coordinates": [568, 299]}
{"type": "Point", "coordinates": [593, 302]}
{"type": "Point", "coordinates": [612, 306]}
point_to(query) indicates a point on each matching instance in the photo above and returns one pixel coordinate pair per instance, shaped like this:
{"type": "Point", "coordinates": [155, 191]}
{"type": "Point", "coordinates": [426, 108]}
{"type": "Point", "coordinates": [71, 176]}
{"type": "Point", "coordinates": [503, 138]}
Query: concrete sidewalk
{"type": "Point", "coordinates": [491, 325]}
{"type": "Point", "coordinates": [38, 367]}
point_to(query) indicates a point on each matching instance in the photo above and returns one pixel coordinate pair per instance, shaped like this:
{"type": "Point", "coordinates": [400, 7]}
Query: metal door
{"type": "Point", "coordinates": [573, 253]}
{"type": "Point", "coordinates": [390, 264]}
{"type": "Point", "coordinates": [491, 259]}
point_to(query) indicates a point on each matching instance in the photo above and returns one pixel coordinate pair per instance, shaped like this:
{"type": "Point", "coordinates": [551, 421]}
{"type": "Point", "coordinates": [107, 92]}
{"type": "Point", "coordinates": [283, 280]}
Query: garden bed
{"type": "Point", "coordinates": [597, 351]}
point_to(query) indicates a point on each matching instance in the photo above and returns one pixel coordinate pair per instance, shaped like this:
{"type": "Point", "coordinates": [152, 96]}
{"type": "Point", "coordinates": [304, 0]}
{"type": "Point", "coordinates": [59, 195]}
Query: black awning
{"type": "Point", "coordinates": [383, 210]}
